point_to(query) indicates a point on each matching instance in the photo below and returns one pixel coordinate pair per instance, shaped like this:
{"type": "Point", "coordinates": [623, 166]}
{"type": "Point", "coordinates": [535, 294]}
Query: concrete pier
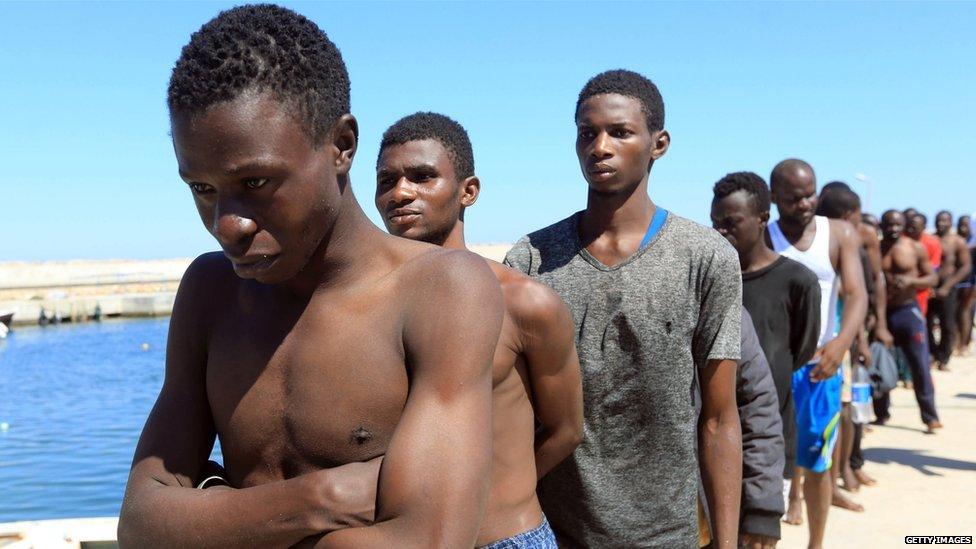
{"type": "Point", "coordinates": [72, 290]}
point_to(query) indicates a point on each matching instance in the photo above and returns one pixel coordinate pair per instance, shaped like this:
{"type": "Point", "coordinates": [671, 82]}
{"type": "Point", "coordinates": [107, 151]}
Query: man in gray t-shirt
{"type": "Point", "coordinates": [656, 301]}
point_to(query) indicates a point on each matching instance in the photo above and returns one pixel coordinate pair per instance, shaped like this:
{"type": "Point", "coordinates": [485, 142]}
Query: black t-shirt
{"type": "Point", "coordinates": [784, 302]}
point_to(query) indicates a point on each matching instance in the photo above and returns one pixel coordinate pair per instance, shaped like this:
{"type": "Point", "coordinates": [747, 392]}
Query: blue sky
{"type": "Point", "coordinates": [883, 89]}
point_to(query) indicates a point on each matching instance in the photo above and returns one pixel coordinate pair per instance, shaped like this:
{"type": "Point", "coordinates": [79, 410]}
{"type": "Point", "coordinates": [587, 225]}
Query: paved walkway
{"type": "Point", "coordinates": [926, 483]}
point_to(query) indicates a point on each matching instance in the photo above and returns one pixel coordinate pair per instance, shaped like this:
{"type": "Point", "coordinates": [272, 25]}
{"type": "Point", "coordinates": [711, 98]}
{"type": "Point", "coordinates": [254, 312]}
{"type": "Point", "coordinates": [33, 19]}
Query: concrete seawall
{"type": "Point", "coordinates": [73, 290]}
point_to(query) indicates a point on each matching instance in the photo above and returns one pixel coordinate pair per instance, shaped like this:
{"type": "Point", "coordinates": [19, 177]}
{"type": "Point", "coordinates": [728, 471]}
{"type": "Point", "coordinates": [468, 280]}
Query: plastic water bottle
{"type": "Point", "coordinates": [861, 409]}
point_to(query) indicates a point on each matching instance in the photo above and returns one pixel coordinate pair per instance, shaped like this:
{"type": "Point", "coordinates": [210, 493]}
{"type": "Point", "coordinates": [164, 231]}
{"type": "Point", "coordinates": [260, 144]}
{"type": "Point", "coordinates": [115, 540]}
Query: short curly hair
{"type": "Point", "coordinates": [431, 125]}
{"type": "Point", "coordinates": [749, 182]}
{"type": "Point", "coordinates": [837, 200]}
{"type": "Point", "coordinates": [630, 84]}
{"type": "Point", "coordinates": [264, 48]}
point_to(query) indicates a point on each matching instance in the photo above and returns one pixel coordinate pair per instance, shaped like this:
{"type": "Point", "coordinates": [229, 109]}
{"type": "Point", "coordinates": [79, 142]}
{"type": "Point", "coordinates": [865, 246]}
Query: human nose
{"type": "Point", "coordinates": [232, 227]}
{"type": "Point", "coordinates": [601, 146]}
{"type": "Point", "coordinates": [404, 191]}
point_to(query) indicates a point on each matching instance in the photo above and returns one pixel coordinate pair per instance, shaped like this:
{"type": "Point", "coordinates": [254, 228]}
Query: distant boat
{"type": "Point", "coordinates": [6, 317]}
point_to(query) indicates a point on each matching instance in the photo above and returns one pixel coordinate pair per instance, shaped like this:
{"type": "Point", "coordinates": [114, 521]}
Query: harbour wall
{"type": "Point", "coordinates": [78, 290]}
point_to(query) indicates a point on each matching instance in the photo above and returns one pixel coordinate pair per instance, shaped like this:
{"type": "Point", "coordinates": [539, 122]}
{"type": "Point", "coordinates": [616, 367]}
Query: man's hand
{"type": "Point", "coordinates": [756, 541]}
{"type": "Point", "coordinates": [351, 491]}
{"type": "Point", "coordinates": [864, 352]}
{"type": "Point", "coordinates": [901, 281]}
{"type": "Point", "coordinates": [942, 292]}
{"type": "Point", "coordinates": [830, 356]}
{"type": "Point", "coordinates": [884, 336]}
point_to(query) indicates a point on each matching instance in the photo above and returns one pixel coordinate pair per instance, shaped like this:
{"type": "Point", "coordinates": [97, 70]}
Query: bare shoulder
{"type": "Point", "coordinates": [528, 301]}
{"type": "Point", "coordinates": [426, 264]}
{"type": "Point", "coordinates": [844, 231]}
{"type": "Point", "coordinates": [918, 247]}
{"type": "Point", "coordinates": [868, 237]}
{"type": "Point", "coordinates": [207, 282]}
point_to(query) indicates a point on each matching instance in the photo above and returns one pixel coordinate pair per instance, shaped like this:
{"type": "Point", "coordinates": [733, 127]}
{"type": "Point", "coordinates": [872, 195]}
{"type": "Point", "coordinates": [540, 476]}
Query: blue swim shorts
{"type": "Point", "coordinates": [817, 418]}
{"type": "Point", "coordinates": [541, 537]}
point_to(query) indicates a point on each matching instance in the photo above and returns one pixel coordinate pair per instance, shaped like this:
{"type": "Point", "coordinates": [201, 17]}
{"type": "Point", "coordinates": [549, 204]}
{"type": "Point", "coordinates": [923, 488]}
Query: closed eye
{"type": "Point", "coordinates": [201, 188]}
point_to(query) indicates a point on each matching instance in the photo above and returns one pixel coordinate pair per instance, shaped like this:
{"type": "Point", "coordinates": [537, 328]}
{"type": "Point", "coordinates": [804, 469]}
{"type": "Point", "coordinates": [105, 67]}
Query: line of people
{"type": "Point", "coordinates": [627, 378]}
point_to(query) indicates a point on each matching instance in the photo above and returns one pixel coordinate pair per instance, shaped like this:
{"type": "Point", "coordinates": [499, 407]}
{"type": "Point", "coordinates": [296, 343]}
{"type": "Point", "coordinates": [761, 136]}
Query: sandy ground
{"type": "Point", "coordinates": [926, 483]}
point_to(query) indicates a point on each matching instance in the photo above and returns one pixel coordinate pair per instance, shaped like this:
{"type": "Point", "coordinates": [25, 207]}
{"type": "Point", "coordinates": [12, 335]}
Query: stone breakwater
{"type": "Point", "coordinates": [79, 290]}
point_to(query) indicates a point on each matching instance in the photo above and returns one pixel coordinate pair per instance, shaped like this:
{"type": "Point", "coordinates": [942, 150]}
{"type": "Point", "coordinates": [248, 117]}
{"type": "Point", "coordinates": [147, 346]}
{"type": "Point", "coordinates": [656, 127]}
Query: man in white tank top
{"type": "Point", "coordinates": [828, 247]}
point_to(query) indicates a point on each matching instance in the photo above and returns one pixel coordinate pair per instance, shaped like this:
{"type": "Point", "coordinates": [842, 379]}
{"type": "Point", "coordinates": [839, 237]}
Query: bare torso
{"type": "Point", "coordinates": [290, 392]}
{"type": "Point", "coordinates": [512, 504]}
{"type": "Point", "coordinates": [951, 245]}
{"type": "Point", "coordinates": [900, 259]}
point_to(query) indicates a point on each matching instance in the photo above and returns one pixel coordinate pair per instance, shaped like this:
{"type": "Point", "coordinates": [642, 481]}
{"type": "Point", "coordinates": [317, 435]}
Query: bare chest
{"type": "Point", "coordinates": [289, 397]}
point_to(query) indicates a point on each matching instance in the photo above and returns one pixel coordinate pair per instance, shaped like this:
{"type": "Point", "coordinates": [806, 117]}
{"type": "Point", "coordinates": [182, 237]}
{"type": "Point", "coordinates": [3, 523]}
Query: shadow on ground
{"type": "Point", "coordinates": [966, 395]}
{"type": "Point", "coordinates": [919, 461]}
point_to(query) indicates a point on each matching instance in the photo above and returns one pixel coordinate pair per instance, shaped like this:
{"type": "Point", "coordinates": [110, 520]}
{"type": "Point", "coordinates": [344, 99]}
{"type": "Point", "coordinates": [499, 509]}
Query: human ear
{"type": "Point", "coordinates": [344, 137]}
{"type": "Point", "coordinates": [662, 140]}
{"type": "Point", "coordinates": [470, 189]}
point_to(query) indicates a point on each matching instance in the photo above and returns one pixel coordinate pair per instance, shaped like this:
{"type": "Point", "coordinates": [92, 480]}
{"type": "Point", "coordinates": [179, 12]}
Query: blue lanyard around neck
{"type": "Point", "coordinates": [660, 215]}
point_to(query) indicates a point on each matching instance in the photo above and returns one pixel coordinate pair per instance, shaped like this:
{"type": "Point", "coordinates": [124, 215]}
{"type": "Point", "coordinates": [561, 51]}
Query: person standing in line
{"type": "Point", "coordinates": [763, 454]}
{"type": "Point", "coordinates": [781, 295]}
{"type": "Point", "coordinates": [829, 248]}
{"type": "Point", "coordinates": [656, 301]}
{"type": "Point", "coordinates": [838, 201]}
{"type": "Point", "coordinates": [907, 270]}
{"type": "Point", "coordinates": [964, 312]}
{"type": "Point", "coordinates": [350, 414]}
{"type": "Point", "coordinates": [915, 224]}
{"type": "Point", "coordinates": [425, 181]}
{"type": "Point", "coordinates": [955, 268]}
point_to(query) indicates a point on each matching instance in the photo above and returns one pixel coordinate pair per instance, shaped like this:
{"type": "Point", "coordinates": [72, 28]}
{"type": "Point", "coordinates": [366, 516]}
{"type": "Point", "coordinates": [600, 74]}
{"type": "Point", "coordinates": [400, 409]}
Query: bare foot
{"type": "Point", "coordinates": [863, 478]}
{"type": "Point", "coordinates": [850, 481]}
{"type": "Point", "coordinates": [794, 513]}
{"type": "Point", "coordinates": [842, 501]}
{"type": "Point", "coordinates": [943, 367]}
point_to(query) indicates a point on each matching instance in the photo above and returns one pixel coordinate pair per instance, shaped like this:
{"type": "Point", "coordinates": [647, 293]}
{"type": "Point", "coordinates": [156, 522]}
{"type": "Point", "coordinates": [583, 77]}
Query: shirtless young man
{"type": "Point", "coordinates": [315, 340]}
{"type": "Point", "coordinates": [829, 248]}
{"type": "Point", "coordinates": [424, 183]}
{"type": "Point", "coordinates": [838, 201]}
{"type": "Point", "coordinates": [955, 268]}
{"type": "Point", "coordinates": [908, 270]}
{"type": "Point", "coordinates": [964, 309]}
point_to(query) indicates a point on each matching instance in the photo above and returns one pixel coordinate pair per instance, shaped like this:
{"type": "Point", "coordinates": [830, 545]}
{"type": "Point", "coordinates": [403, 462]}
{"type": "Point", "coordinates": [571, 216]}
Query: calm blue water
{"type": "Point", "coordinates": [75, 398]}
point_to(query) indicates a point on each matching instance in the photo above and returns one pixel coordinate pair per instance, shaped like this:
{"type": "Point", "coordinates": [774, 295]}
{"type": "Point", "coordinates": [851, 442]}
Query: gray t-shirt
{"type": "Point", "coordinates": [643, 330]}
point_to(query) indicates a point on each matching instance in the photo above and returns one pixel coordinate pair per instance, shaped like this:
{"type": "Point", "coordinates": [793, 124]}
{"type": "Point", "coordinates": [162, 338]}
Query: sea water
{"type": "Point", "coordinates": [73, 400]}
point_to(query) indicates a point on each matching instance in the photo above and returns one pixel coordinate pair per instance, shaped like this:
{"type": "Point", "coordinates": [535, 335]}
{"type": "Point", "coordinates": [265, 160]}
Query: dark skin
{"type": "Point", "coordinates": [956, 262]}
{"type": "Point", "coordinates": [842, 451]}
{"type": "Point", "coordinates": [795, 196]}
{"type": "Point", "coordinates": [616, 151]}
{"type": "Point", "coordinates": [737, 218]}
{"type": "Point", "coordinates": [311, 348]}
{"type": "Point", "coordinates": [796, 201]}
{"type": "Point", "coordinates": [964, 316]}
{"type": "Point", "coordinates": [906, 264]}
{"type": "Point", "coordinates": [535, 371]}
{"type": "Point", "coordinates": [872, 245]}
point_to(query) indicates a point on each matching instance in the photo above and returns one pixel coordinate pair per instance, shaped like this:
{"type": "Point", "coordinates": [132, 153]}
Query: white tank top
{"type": "Point", "coordinates": [817, 259]}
